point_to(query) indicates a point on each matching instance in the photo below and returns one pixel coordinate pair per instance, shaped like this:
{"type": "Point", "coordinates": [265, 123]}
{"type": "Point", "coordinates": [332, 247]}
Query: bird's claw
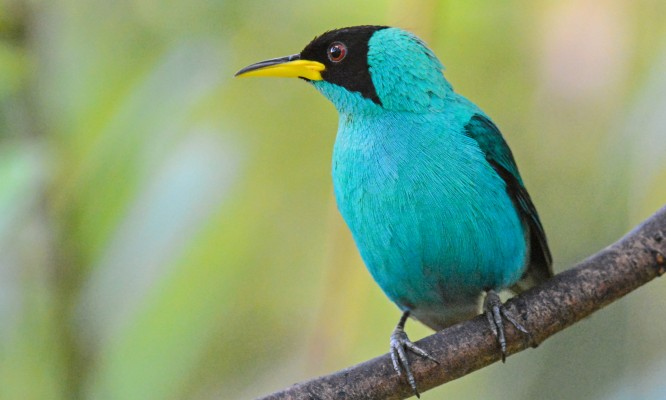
{"type": "Point", "coordinates": [399, 344]}
{"type": "Point", "coordinates": [495, 310]}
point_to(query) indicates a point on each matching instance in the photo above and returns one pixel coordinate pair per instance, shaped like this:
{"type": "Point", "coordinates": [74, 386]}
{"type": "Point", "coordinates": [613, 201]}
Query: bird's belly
{"type": "Point", "coordinates": [433, 241]}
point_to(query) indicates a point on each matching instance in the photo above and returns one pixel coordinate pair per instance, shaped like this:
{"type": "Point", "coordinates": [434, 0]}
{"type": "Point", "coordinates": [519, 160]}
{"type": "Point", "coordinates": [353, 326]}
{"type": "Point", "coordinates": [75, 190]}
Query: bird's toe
{"type": "Point", "coordinates": [496, 313]}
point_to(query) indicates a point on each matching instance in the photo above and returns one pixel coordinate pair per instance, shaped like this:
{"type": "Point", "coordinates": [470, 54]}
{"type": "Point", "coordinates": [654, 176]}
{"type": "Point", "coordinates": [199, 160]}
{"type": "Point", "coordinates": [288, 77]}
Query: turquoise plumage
{"type": "Point", "coordinates": [424, 180]}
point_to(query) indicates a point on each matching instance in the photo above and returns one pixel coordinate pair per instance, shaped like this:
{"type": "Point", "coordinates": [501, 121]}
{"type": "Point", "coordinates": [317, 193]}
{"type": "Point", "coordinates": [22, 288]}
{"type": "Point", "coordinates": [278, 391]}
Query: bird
{"type": "Point", "coordinates": [425, 182]}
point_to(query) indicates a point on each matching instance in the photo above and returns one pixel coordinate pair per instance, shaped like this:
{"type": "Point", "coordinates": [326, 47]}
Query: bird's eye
{"type": "Point", "coordinates": [336, 52]}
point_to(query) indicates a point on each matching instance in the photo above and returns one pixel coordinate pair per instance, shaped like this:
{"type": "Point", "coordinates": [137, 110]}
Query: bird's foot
{"type": "Point", "coordinates": [400, 343]}
{"type": "Point", "coordinates": [495, 310]}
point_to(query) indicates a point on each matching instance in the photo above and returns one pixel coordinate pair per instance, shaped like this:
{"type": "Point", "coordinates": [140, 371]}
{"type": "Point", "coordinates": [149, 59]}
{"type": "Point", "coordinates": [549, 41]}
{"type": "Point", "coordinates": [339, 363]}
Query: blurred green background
{"type": "Point", "coordinates": [169, 232]}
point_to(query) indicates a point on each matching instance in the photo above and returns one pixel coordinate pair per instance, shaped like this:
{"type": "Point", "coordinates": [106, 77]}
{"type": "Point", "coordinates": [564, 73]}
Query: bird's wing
{"type": "Point", "coordinates": [499, 156]}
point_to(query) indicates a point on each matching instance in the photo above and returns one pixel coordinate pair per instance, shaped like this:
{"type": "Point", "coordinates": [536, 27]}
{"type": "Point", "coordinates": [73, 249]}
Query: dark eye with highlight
{"type": "Point", "coordinates": [336, 52]}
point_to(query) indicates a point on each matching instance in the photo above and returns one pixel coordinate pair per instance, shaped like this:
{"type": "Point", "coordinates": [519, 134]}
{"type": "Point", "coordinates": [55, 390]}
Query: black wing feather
{"type": "Point", "coordinates": [499, 156]}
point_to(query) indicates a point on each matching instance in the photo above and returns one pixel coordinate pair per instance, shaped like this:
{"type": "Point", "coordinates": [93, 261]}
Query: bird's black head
{"type": "Point", "coordinates": [339, 57]}
{"type": "Point", "coordinates": [344, 53]}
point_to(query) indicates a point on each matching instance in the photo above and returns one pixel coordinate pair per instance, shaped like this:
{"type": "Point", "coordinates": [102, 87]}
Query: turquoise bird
{"type": "Point", "coordinates": [424, 180]}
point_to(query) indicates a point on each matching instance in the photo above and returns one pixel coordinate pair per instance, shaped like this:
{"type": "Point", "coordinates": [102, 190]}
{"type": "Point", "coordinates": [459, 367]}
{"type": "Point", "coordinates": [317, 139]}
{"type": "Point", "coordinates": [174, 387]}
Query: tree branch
{"type": "Point", "coordinates": [570, 296]}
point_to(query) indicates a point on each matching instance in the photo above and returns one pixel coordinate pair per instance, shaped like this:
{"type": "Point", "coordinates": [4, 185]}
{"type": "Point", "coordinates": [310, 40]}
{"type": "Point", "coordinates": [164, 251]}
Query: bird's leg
{"type": "Point", "coordinates": [399, 343]}
{"type": "Point", "coordinates": [495, 310]}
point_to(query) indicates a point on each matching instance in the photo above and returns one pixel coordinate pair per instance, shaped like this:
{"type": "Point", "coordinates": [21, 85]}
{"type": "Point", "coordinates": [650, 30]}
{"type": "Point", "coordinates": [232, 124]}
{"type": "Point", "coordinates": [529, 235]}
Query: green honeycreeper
{"type": "Point", "coordinates": [424, 180]}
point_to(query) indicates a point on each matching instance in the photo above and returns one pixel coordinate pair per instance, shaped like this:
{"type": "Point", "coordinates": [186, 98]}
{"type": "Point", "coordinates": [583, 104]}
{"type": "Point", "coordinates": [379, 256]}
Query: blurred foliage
{"type": "Point", "coordinates": [168, 232]}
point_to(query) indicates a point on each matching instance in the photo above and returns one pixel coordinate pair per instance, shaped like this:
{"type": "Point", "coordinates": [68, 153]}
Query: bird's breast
{"type": "Point", "coordinates": [430, 217]}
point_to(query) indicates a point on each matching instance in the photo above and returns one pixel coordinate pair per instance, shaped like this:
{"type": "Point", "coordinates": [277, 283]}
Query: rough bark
{"type": "Point", "coordinates": [570, 296]}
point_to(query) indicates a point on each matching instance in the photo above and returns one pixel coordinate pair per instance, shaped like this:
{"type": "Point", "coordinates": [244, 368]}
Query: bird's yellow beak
{"type": "Point", "coordinates": [286, 67]}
